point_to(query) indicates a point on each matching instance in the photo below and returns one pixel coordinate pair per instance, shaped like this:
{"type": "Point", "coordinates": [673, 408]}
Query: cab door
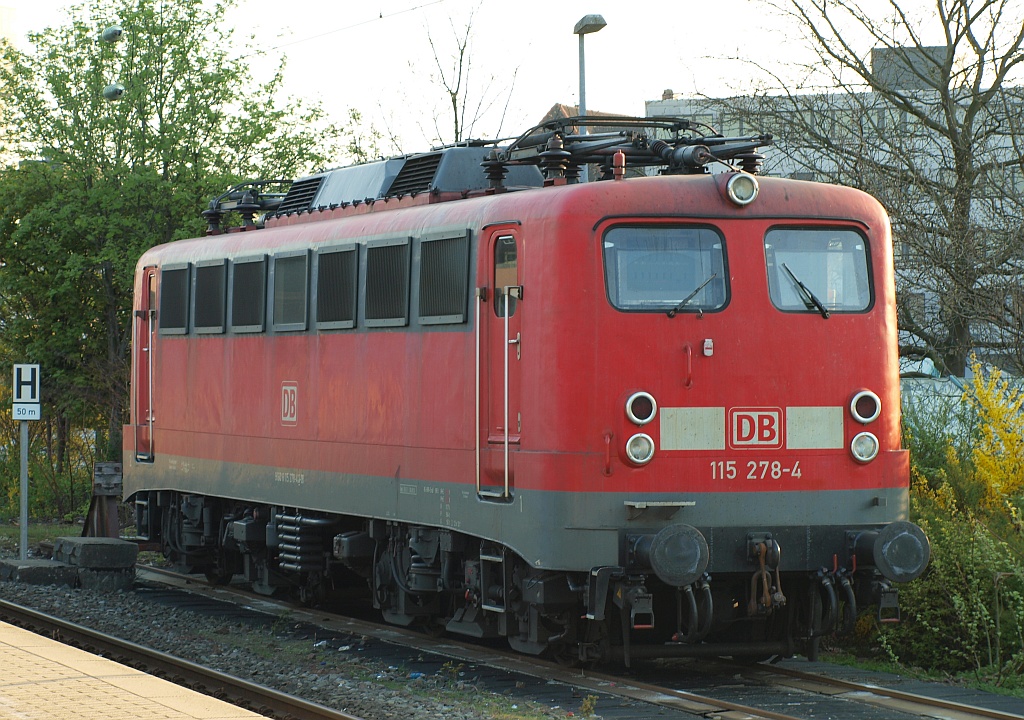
{"type": "Point", "coordinates": [500, 345]}
{"type": "Point", "coordinates": [142, 375]}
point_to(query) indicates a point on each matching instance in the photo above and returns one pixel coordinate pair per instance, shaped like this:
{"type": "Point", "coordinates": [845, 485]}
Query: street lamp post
{"type": "Point", "coordinates": [587, 24]}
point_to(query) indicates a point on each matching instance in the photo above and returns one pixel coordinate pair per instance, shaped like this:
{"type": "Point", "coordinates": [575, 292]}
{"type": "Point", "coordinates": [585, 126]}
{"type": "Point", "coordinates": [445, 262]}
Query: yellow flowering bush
{"type": "Point", "coordinates": [966, 614]}
{"type": "Point", "coordinates": [998, 455]}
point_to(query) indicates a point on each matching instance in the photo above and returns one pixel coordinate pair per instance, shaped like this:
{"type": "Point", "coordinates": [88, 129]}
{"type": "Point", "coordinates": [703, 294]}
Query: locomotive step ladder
{"type": "Point", "coordinates": [493, 579]}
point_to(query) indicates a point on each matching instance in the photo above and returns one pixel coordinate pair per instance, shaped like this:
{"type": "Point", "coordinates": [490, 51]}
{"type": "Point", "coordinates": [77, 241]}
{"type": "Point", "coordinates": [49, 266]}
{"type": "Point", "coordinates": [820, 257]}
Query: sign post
{"type": "Point", "coordinates": [25, 408]}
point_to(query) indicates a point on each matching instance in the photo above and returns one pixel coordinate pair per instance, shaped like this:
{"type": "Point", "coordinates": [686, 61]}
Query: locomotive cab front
{"type": "Point", "coordinates": [748, 400]}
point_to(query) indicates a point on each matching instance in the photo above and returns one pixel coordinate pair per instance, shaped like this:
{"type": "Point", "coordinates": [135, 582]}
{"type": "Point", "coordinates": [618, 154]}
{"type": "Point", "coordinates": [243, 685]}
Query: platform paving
{"type": "Point", "coordinates": [44, 680]}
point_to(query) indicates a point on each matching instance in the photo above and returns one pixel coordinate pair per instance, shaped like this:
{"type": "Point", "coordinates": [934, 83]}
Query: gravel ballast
{"type": "Point", "coordinates": [329, 672]}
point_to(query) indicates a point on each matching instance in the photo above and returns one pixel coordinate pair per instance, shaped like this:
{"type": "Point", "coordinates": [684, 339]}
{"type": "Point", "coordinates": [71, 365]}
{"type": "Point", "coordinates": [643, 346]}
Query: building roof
{"type": "Point", "coordinates": [559, 111]}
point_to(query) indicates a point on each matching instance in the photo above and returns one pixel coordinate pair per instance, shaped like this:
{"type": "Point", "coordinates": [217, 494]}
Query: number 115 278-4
{"type": "Point", "coordinates": [753, 469]}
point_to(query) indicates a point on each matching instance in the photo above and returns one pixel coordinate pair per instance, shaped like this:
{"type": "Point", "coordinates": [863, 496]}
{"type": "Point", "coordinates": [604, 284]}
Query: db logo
{"type": "Point", "coordinates": [755, 428]}
{"type": "Point", "coordinates": [289, 403]}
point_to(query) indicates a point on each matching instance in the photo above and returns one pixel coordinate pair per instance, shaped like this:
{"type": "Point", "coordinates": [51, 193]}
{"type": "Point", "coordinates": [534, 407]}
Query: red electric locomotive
{"type": "Point", "coordinates": [648, 415]}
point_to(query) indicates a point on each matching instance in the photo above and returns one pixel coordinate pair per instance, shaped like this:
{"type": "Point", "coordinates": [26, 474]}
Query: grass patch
{"type": "Point", "coordinates": [10, 536]}
{"type": "Point", "coordinates": [981, 679]}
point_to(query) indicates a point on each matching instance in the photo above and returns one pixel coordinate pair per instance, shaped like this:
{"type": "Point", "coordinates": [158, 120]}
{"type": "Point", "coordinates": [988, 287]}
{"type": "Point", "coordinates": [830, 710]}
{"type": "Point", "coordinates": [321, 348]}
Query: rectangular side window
{"type": "Point", "coordinates": [291, 281]}
{"type": "Point", "coordinates": [444, 279]}
{"type": "Point", "coordinates": [336, 283]}
{"type": "Point", "coordinates": [387, 283]}
{"type": "Point", "coordinates": [173, 318]}
{"type": "Point", "coordinates": [248, 294]}
{"type": "Point", "coordinates": [210, 297]}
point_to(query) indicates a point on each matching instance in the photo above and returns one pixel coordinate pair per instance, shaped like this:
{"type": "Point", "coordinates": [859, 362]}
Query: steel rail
{"type": "Point", "coordinates": [259, 699]}
{"type": "Point", "coordinates": [890, 693]}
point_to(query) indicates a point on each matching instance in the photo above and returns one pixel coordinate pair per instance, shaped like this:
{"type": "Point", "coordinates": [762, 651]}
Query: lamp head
{"type": "Point", "coordinates": [113, 92]}
{"type": "Point", "coordinates": [589, 24]}
{"type": "Point", "coordinates": [112, 34]}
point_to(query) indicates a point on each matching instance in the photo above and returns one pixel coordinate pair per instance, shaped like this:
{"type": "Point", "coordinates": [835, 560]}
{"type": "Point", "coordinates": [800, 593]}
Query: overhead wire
{"type": "Point", "coordinates": [381, 16]}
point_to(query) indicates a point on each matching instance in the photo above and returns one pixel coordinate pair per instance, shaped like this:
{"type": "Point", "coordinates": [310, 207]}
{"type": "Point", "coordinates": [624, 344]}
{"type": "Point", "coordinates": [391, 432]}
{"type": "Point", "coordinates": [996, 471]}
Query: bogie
{"type": "Point", "coordinates": [439, 580]}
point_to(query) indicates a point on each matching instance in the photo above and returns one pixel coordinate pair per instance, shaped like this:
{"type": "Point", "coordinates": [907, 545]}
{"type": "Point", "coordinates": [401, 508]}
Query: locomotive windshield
{"type": "Point", "coordinates": [831, 264]}
{"type": "Point", "coordinates": [656, 268]}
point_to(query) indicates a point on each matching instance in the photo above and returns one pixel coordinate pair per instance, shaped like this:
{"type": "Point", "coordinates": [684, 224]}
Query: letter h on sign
{"type": "Point", "coordinates": [26, 383]}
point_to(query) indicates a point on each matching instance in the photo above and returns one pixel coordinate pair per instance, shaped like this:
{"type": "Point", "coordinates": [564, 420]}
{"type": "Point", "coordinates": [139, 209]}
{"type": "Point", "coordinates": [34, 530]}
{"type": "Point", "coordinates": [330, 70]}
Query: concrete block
{"type": "Point", "coordinates": [95, 552]}
{"type": "Point", "coordinates": [106, 580]}
{"type": "Point", "coordinates": [38, 572]}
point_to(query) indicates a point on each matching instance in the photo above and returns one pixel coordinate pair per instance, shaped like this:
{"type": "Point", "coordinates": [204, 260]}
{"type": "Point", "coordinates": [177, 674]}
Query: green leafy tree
{"type": "Point", "coordinates": [99, 182]}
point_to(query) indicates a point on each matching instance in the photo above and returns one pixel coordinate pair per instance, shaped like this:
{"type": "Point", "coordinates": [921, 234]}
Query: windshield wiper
{"type": "Point", "coordinates": [691, 296]}
{"type": "Point", "coordinates": [810, 299]}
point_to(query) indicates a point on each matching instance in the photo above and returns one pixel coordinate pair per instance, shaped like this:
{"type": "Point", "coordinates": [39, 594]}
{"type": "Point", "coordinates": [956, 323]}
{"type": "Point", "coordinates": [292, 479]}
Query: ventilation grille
{"type": "Point", "coordinates": [416, 175]}
{"type": "Point", "coordinates": [443, 283]}
{"type": "Point", "coordinates": [247, 299]}
{"type": "Point", "coordinates": [337, 277]}
{"type": "Point", "coordinates": [210, 297]}
{"type": "Point", "coordinates": [300, 194]}
{"type": "Point", "coordinates": [174, 300]}
{"type": "Point", "coordinates": [387, 284]}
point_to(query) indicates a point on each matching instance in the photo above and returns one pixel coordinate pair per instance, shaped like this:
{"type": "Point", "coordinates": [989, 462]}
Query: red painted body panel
{"type": "Point", "coordinates": [401, 403]}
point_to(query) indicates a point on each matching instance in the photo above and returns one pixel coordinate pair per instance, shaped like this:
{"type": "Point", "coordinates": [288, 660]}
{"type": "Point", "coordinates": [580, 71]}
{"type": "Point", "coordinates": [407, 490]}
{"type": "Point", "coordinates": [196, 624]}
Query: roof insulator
{"type": "Point", "coordinates": [750, 162]}
{"type": "Point", "coordinates": [495, 169]}
{"type": "Point", "coordinates": [555, 159]}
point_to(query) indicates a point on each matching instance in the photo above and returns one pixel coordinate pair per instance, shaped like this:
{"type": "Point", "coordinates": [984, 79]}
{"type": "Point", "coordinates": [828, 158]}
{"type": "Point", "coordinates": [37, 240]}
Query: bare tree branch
{"type": "Point", "coordinates": [466, 102]}
{"type": "Point", "coordinates": [934, 133]}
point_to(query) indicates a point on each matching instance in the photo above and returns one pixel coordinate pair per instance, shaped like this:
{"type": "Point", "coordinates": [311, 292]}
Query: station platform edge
{"type": "Point", "coordinates": [41, 679]}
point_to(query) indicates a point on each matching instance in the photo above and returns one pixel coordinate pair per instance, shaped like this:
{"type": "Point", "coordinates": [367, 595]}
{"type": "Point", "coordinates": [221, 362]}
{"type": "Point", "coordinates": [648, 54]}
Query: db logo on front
{"type": "Point", "coordinates": [759, 428]}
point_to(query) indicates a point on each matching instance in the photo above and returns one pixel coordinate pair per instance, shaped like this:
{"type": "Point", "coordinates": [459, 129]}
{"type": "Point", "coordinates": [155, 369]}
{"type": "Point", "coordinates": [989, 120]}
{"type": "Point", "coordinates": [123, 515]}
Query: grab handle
{"type": "Point", "coordinates": [688, 351]}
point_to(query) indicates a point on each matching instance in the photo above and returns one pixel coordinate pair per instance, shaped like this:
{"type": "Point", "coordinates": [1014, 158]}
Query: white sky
{"type": "Point", "coordinates": [374, 55]}
{"type": "Point", "coordinates": [347, 55]}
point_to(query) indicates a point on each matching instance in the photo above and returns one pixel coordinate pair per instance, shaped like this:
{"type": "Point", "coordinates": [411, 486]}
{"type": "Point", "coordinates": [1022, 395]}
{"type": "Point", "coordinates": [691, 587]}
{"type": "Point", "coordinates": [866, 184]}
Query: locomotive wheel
{"type": "Point", "coordinates": [431, 627]}
{"type": "Point", "coordinates": [176, 559]}
{"type": "Point", "coordinates": [312, 593]}
{"type": "Point", "coordinates": [589, 651]}
{"type": "Point", "coordinates": [218, 575]}
{"type": "Point", "coordinates": [566, 654]}
{"type": "Point", "coordinates": [812, 649]}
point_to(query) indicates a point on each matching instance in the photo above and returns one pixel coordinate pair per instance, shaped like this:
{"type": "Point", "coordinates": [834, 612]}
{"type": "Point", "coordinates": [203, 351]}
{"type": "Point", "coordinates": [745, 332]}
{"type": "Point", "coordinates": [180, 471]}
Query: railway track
{"type": "Point", "coordinates": [804, 695]}
{"type": "Point", "coordinates": [251, 696]}
{"type": "Point", "coordinates": [881, 696]}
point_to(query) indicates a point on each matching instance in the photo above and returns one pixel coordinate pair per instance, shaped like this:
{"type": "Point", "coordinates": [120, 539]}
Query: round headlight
{"type": "Point", "coordinates": [742, 188]}
{"type": "Point", "coordinates": [864, 447]}
{"type": "Point", "coordinates": [641, 408]}
{"type": "Point", "coordinates": [865, 406]}
{"type": "Point", "coordinates": [640, 449]}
